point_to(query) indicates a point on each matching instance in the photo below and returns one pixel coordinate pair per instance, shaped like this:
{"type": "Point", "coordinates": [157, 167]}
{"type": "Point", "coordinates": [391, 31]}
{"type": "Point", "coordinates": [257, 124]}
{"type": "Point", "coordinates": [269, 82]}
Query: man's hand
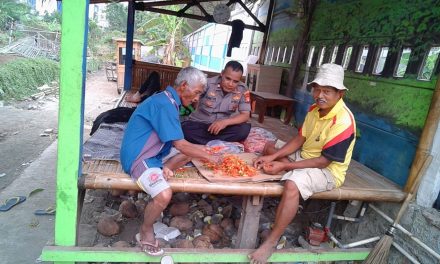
{"type": "Point", "coordinates": [217, 126]}
{"type": "Point", "coordinates": [260, 161]}
{"type": "Point", "coordinates": [274, 167]}
{"type": "Point", "coordinates": [167, 173]}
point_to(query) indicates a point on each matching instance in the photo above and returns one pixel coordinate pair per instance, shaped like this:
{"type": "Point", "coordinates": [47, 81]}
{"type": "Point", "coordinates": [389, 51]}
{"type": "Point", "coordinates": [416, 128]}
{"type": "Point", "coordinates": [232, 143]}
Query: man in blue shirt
{"type": "Point", "coordinates": [153, 129]}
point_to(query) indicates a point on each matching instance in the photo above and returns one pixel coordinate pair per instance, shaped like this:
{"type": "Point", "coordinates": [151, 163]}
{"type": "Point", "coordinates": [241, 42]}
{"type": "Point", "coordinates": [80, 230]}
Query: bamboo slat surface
{"type": "Point", "coordinates": [361, 183]}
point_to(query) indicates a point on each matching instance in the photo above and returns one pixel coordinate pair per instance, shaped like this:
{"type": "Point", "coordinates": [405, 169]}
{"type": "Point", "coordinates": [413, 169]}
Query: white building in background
{"type": "Point", "coordinates": [48, 6]}
{"type": "Point", "coordinates": [97, 13]}
{"type": "Point", "coordinates": [43, 7]}
{"type": "Point", "coordinates": [208, 45]}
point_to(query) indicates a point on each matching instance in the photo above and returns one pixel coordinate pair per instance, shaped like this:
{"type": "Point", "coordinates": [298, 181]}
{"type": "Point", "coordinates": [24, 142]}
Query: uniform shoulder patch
{"type": "Point", "coordinates": [247, 96]}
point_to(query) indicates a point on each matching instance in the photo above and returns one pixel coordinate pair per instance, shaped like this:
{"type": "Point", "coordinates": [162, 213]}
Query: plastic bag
{"type": "Point", "coordinates": [222, 147]}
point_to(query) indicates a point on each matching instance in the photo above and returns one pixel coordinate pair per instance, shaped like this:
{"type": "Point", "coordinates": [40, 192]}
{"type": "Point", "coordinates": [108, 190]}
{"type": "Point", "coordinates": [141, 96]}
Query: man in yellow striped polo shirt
{"type": "Point", "coordinates": [316, 159]}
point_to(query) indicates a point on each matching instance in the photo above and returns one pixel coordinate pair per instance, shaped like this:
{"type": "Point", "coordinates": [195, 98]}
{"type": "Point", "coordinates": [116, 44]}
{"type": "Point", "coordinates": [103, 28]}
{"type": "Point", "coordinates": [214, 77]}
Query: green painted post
{"type": "Point", "coordinates": [72, 79]}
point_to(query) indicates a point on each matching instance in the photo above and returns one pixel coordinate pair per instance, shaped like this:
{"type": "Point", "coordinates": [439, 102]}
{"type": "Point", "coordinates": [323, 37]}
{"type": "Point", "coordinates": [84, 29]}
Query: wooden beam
{"type": "Point", "coordinates": [175, 2]}
{"type": "Point", "coordinates": [129, 47]}
{"type": "Point", "coordinates": [142, 7]}
{"type": "Point", "coordinates": [266, 32]}
{"type": "Point", "coordinates": [252, 15]}
{"type": "Point", "coordinates": [249, 222]}
{"type": "Point", "coordinates": [426, 138]}
{"type": "Point", "coordinates": [183, 10]}
{"type": "Point", "coordinates": [197, 3]}
{"type": "Point", "coordinates": [71, 118]}
{"type": "Point", "coordinates": [179, 255]}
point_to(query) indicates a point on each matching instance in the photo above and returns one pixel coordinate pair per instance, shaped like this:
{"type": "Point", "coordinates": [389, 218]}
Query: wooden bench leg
{"type": "Point", "coordinates": [81, 195]}
{"type": "Point", "coordinates": [261, 105]}
{"type": "Point", "coordinates": [289, 110]}
{"type": "Point", "coordinates": [249, 222]}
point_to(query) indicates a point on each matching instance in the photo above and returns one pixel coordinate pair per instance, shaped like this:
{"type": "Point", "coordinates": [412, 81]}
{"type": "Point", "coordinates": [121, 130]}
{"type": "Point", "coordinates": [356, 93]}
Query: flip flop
{"type": "Point", "coordinates": [156, 246]}
{"type": "Point", "coordinates": [11, 202]}
{"type": "Point", "coordinates": [47, 211]}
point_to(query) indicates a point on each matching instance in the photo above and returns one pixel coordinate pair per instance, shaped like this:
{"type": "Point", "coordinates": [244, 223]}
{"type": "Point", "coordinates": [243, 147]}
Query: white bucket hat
{"type": "Point", "coordinates": [330, 74]}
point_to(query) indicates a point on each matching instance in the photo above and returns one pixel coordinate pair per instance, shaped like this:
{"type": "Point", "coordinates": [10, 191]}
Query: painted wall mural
{"type": "Point", "coordinates": [391, 71]}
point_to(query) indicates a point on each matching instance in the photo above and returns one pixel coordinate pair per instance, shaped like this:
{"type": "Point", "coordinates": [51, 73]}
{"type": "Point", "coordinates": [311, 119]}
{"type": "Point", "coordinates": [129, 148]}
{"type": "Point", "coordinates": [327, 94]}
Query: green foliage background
{"type": "Point", "coordinates": [395, 23]}
{"type": "Point", "coordinates": [402, 22]}
{"type": "Point", "coordinates": [20, 78]}
{"type": "Point", "coordinates": [404, 102]}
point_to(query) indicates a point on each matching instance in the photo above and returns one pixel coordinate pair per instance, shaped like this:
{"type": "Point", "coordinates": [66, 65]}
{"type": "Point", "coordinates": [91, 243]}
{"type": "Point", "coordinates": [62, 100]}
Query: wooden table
{"type": "Point", "coordinates": [261, 100]}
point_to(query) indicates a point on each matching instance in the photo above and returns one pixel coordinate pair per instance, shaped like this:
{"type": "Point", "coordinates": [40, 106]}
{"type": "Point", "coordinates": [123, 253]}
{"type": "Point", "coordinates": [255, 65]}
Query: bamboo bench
{"type": "Point", "coordinates": [361, 183]}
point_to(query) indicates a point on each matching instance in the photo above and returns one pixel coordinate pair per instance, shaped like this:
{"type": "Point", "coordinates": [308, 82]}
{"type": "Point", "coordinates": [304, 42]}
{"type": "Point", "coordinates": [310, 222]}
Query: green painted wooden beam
{"type": "Point", "coordinates": [72, 80]}
{"type": "Point", "coordinates": [83, 254]}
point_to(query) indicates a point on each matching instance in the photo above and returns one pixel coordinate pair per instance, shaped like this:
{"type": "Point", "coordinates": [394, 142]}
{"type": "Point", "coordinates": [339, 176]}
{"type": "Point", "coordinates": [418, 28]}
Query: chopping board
{"type": "Point", "coordinates": [212, 176]}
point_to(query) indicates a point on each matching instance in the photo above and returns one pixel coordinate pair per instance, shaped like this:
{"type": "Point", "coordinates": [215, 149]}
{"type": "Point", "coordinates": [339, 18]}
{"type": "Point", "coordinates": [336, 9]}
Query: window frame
{"type": "Point", "coordinates": [321, 55]}
{"type": "Point", "coordinates": [310, 56]}
{"type": "Point", "coordinates": [334, 54]}
{"type": "Point", "coordinates": [399, 58]}
{"type": "Point", "coordinates": [359, 58]}
{"type": "Point", "coordinates": [376, 60]}
{"type": "Point", "coordinates": [344, 61]}
{"type": "Point", "coordinates": [424, 63]}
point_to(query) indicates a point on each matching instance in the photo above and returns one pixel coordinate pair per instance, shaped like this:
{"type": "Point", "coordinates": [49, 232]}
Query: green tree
{"type": "Point", "coordinates": [12, 11]}
{"type": "Point", "coordinates": [167, 31]}
{"type": "Point", "coordinates": [116, 15]}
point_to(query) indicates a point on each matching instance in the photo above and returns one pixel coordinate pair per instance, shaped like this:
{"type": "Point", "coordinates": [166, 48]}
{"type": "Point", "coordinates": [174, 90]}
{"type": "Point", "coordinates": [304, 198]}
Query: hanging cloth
{"type": "Point", "coordinates": [236, 35]}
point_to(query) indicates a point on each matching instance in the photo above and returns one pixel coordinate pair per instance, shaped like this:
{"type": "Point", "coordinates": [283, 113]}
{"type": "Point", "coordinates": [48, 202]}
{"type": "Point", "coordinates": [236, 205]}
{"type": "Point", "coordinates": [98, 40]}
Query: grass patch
{"type": "Point", "coordinates": [20, 78]}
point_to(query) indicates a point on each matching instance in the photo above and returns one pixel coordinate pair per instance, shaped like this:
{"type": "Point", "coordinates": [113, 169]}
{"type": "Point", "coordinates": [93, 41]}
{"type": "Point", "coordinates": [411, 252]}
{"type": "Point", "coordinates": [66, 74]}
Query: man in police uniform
{"type": "Point", "coordinates": [216, 115]}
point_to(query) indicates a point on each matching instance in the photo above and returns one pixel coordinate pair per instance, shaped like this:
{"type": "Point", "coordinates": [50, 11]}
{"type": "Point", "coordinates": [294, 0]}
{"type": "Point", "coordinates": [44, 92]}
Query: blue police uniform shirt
{"type": "Point", "coordinates": [157, 114]}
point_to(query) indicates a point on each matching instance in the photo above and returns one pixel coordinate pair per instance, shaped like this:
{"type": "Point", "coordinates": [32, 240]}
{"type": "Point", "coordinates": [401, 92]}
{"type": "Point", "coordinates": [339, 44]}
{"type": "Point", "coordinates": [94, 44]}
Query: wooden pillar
{"type": "Point", "coordinates": [70, 121]}
{"type": "Point", "coordinates": [266, 32]}
{"type": "Point", "coordinates": [427, 137]}
{"type": "Point", "coordinates": [129, 47]}
{"type": "Point", "coordinates": [249, 222]}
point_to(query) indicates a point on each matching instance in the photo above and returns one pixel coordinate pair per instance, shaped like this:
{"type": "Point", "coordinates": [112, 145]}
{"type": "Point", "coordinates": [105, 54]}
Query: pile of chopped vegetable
{"type": "Point", "coordinates": [233, 166]}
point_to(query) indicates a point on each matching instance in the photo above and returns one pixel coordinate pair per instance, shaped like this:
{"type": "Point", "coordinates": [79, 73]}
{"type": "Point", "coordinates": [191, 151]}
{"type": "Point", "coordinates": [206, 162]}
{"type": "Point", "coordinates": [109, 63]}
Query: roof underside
{"type": "Point", "coordinates": [193, 9]}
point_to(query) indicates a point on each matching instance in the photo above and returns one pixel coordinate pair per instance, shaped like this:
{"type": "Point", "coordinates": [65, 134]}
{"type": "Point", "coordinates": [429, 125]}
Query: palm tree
{"type": "Point", "coordinates": [166, 31]}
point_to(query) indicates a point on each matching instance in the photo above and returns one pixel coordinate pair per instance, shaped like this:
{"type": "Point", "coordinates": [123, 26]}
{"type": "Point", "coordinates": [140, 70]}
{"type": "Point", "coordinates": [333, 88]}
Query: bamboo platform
{"type": "Point", "coordinates": [361, 184]}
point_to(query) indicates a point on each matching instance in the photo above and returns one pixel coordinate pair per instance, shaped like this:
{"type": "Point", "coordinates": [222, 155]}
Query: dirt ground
{"type": "Point", "coordinates": [28, 127]}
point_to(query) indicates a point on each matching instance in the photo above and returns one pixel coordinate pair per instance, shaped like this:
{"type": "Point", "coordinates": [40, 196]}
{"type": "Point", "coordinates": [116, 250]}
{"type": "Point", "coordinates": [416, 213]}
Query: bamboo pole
{"type": "Point", "coordinates": [427, 137]}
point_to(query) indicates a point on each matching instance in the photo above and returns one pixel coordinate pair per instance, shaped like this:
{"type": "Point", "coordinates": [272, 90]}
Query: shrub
{"type": "Point", "coordinates": [20, 78]}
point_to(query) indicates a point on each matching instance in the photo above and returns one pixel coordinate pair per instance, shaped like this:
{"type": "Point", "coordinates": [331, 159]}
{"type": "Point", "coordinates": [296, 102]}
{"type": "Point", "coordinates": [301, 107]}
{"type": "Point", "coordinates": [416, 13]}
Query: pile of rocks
{"type": "Point", "coordinates": [190, 221]}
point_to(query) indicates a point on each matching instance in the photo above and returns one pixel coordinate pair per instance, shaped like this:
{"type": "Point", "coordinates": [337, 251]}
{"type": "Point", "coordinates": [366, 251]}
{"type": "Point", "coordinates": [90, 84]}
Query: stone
{"type": "Point", "coordinates": [216, 219]}
{"type": "Point", "coordinates": [140, 206]}
{"type": "Point", "coordinates": [181, 197]}
{"type": "Point", "coordinates": [214, 232]}
{"type": "Point", "coordinates": [179, 209]}
{"type": "Point", "coordinates": [128, 209]}
{"type": "Point", "coordinates": [205, 207]}
{"type": "Point", "coordinates": [228, 226]}
{"type": "Point", "coordinates": [108, 227]}
{"type": "Point", "coordinates": [182, 223]}
{"type": "Point", "coordinates": [227, 211]}
{"type": "Point", "coordinates": [182, 243]}
{"type": "Point", "coordinates": [202, 242]}
{"type": "Point", "coordinates": [123, 244]}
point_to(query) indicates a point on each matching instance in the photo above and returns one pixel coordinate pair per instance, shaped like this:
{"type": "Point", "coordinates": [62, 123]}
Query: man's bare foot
{"type": "Point", "coordinates": [262, 254]}
{"type": "Point", "coordinates": [133, 98]}
{"type": "Point", "coordinates": [151, 248]}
